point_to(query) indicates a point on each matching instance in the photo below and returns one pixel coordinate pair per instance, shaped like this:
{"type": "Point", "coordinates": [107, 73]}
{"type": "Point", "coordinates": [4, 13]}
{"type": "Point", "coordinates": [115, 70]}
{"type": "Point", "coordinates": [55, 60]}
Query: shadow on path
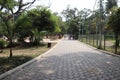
{"type": "Point", "coordinates": [81, 65]}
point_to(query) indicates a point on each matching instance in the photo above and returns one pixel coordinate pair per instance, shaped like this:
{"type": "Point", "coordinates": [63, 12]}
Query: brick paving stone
{"type": "Point", "coordinates": [71, 60]}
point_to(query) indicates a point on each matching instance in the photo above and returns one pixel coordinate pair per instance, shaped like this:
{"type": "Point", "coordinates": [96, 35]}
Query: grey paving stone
{"type": "Point", "coordinates": [71, 60]}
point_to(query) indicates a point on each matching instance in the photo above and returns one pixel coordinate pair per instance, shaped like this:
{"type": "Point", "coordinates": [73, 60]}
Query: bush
{"type": "Point", "coordinates": [3, 43]}
{"type": "Point", "coordinates": [14, 44]}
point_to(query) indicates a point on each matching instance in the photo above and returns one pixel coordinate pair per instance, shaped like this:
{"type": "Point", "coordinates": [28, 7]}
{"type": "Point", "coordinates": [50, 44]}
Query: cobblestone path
{"type": "Point", "coordinates": [71, 60]}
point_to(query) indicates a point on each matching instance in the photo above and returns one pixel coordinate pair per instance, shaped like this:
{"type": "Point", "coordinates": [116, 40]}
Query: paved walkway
{"type": "Point", "coordinates": [71, 60]}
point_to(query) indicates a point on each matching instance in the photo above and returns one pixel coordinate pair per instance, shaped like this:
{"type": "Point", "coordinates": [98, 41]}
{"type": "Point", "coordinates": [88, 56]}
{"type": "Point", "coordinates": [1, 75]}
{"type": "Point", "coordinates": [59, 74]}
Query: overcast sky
{"type": "Point", "coordinates": [60, 5]}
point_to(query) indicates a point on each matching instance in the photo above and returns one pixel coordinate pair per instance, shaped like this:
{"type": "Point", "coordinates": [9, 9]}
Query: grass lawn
{"type": "Point", "coordinates": [20, 56]}
{"type": "Point", "coordinates": [109, 45]}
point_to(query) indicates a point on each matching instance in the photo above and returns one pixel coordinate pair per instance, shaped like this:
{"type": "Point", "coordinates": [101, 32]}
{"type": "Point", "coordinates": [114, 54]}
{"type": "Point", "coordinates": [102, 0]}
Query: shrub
{"type": "Point", "coordinates": [3, 43]}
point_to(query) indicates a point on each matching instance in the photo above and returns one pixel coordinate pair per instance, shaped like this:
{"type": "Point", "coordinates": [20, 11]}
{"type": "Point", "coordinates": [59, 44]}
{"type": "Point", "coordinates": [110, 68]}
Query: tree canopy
{"type": "Point", "coordinates": [9, 11]}
{"type": "Point", "coordinates": [110, 4]}
{"type": "Point", "coordinates": [37, 21]}
{"type": "Point", "coordinates": [114, 24]}
{"type": "Point", "coordinates": [114, 20]}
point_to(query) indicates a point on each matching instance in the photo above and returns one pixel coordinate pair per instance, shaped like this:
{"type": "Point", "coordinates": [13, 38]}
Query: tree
{"type": "Point", "coordinates": [62, 25]}
{"type": "Point", "coordinates": [114, 24]}
{"type": "Point", "coordinates": [43, 19]}
{"type": "Point", "coordinates": [37, 21]}
{"type": "Point", "coordinates": [72, 21]}
{"type": "Point", "coordinates": [97, 19]}
{"type": "Point", "coordinates": [84, 15]}
{"type": "Point", "coordinates": [9, 11]}
{"type": "Point", "coordinates": [24, 26]}
{"type": "Point", "coordinates": [110, 4]}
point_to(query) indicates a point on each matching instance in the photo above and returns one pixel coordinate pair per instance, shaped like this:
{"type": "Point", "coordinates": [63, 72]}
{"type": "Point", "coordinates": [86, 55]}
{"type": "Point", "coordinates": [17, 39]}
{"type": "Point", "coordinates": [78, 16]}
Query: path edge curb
{"type": "Point", "coordinates": [18, 68]}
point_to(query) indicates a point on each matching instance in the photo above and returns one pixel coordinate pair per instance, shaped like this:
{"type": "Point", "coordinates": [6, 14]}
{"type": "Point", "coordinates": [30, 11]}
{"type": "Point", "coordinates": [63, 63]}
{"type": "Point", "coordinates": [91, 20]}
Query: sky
{"type": "Point", "coordinates": [60, 5]}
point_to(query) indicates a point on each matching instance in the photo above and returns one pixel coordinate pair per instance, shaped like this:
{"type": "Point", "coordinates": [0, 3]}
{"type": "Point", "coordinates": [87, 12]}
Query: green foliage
{"type": "Point", "coordinates": [114, 20]}
{"type": "Point", "coordinates": [54, 20]}
{"type": "Point", "coordinates": [63, 27]}
{"type": "Point", "coordinates": [75, 20]}
{"type": "Point", "coordinates": [110, 4]}
{"type": "Point", "coordinates": [35, 21]}
{"type": "Point", "coordinates": [23, 26]}
{"type": "Point", "coordinates": [8, 4]}
{"type": "Point", "coordinates": [3, 43]}
{"type": "Point", "coordinates": [114, 24]}
{"type": "Point", "coordinates": [72, 20]}
{"type": "Point", "coordinates": [38, 35]}
{"type": "Point", "coordinates": [43, 19]}
{"type": "Point", "coordinates": [9, 11]}
{"type": "Point", "coordinates": [7, 29]}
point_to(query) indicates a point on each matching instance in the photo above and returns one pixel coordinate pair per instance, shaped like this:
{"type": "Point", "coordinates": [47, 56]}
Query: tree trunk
{"type": "Point", "coordinates": [93, 40]}
{"type": "Point", "coordinates": [86, 38]}
{"type": "Point", "coordinates": [96, 35]}
{"type": "Point", "coordinates": [97, 31]}
{"type": "Point", "coordinates": [1, 50]}
{"type": "Point", "coordinates": [100, 37]}
{"type": "Point", "coordinates": [86, 35]}
{"type": "Point", "coordinates": [89, 34]}
{"type": "Point", "coordinates": [116, 42]}
{"type": "Point", "coordinates": [10, 49]}
{"type": "Point", "coordinates": [89, 37]}
{"type": "Point", "coordinates": [104, 41]}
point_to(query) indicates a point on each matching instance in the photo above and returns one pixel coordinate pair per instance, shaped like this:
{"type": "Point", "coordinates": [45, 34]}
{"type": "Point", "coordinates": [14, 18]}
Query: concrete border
{"type": "Point", "coordinates": [107, 52]}
{"type": "Point", "coordinates": [18, 68]}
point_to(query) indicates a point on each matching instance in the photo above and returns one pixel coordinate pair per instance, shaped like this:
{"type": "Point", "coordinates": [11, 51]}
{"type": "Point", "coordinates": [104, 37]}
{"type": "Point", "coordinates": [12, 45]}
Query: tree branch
{"type": "Point", "coordinates": [21, 5]}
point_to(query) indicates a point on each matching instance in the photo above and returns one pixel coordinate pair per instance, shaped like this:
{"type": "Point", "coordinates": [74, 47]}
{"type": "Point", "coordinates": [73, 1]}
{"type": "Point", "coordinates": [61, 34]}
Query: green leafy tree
{"type": "Point", "coordinates": [24, 26]}
{"type": "Point", "coordinates": [37, 21]}
{"type": "Point", "coordinates": [96, 23]}
{"type": "Point", "coordinates": [3, 43]}
{"type": "Point", "coordinates": [72, 21]}
{"type": "Point", "coordinates": [114, 24]}
{"type": "Point", "coordinates": [9, 11]}
{"type": "Point", "coordinates": [43, 19]}
{"type": "Point", "coordinates": [110, 4]}
{"type": "Point", "coordinates": [85, 22]}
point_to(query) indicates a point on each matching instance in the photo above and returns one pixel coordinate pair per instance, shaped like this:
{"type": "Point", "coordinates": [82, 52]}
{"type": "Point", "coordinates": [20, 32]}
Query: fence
{"type": "Point", "coordinates": [107, 43]}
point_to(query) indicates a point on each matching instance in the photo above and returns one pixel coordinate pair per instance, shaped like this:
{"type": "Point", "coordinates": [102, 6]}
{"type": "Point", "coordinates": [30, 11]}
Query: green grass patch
{"type": "Point", "coordinates": [20, 56]}
{"type": "Point", "coordinates": [110, 45]}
